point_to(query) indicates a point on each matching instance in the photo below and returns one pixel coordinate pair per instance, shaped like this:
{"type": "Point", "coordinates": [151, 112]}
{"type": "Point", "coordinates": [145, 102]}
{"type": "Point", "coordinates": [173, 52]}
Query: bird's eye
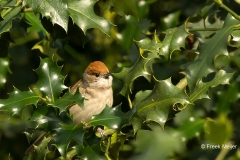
{"type": "Point", "coordinates": [97, 75]}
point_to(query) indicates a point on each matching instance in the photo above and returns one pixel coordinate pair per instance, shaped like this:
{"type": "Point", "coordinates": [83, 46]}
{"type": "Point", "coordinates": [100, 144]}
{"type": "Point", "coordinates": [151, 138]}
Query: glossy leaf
{"type": "Point", "coordinates": [41, 150]}
{"type": "Point", "coordinates": [4, 69]}
{"type": "Point", "coordinates": [214, 46]}
{"type": "Point", "coordinates": [6, 23]}
{"type": "Point", "coordinates": [174, 40]}
{"type": "Point", "coordinates": [89, 153]}
{"type": "Point", "coordinates": [200, 91]}
{"type": "Point", "coordinates": [50, 81]}
{"type": "Point", "coordinates": [18, 100]}
{"type": "Point", "coordinates": [128, 75]}
{"type": "Point", "coordinates": [56, 10]}
{"type": "Point", "coordinates": [235, 41]}
{"type": "Point", "coordinates": [125, 7]}
{"type": "Point", "coordinates": [68, 99]}
{"type": "Point", "coordinates": [83, 15]}
{"type": "Point", "coordinates": [157, 104]}
{"type": "Point", "coordinates": [34, 21]}
{"type": "Point", "coordinates": [66, 134]}
{"type": "Point", "coordinates": [150, 45]}
{"type": "Point", "coordinates": [112, 118]}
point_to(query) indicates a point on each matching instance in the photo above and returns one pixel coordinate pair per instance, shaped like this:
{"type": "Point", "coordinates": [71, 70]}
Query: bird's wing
{"type": "Point", "coordinates": [74, 88]}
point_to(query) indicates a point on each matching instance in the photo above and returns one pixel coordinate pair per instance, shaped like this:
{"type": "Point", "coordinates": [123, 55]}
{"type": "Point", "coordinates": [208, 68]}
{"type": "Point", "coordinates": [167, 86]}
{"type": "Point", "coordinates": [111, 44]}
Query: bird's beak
{"type": "Point", "coordinates": [107, 75]}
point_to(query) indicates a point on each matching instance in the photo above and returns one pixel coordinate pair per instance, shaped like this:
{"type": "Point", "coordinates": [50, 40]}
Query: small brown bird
{"type": "Point", "coordinates": [96, 87]}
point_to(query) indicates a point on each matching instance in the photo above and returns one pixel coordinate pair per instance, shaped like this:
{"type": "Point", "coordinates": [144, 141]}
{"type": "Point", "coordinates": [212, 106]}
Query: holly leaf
{"type": "Point", "coordinates": [202, 66]}
{"type": "Point", "coordinates": [68, 99]}
{"type": "Point", "coordinates": [6, 23]}
{"type": "Point", "coordinates": [18, 100]}
{"type": "Point", "coordinates": [112, 118]}
{"type": "Point", "coordinates": [4, 69]}
{"type": "Point", "coordinates": [34, 21]}
{"type": "Point", "coordinates": [234, 42]}
{"type": "Point", "coordinates": [41, 150]}
{"type": "Point", "coordinates": [89, 153]}
{"type": "Point", "coordinates": [125, 7]}
{"type": "Point", "coordinates": [157, 104]}
{"type": "Point", "coordinates": [200, 91]}
{"type": "Point", "coordinates": [174, 40]}
{"type": "Point", "coordinates": [51, 81]}
{"type": "Point", "coordinates": [57, 11]}
{"type": "Point", "coordinates": [67, 133]}
{"type": "Point", "coordinates": [150, 45]}
{"type": "Point", "coordinates": [128, 75]}
{"type": "Point", "coordinates": [82, 13]}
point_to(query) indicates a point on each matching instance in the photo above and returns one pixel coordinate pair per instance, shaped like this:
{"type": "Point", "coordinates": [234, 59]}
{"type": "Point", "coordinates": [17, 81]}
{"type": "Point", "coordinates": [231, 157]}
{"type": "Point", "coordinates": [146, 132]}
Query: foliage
{"type": "Point", "coordinates": [176, 83]}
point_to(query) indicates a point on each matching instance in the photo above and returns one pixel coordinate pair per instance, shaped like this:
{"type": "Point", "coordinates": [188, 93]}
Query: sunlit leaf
{"type": "Point", "coordinates": [214, 46]}
{"type": "Point", "coordinates": [200, 91]}
{"type": "Point", "coordinates": [18, 100]}
{"type": "Point", "coordinates": [50, 81]}
{"type": "Point", "coordinates": [83, 15]}
{"type": "Point", "coordinates": [6, 23]}
{"type": "Point", "coordinates": [174, 40]}
{"type": "Point", "coordinates": [56, 10]}
{"type": "Point", "coordinates": [156, 105]}
{"type": "Point", "coordinates": [112, 118]}
{"type": "Point", "coordinates": [68, 99]}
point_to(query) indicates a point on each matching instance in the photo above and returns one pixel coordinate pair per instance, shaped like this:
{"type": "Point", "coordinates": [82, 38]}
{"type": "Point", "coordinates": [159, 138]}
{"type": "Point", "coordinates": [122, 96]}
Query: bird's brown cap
{"type": "Point", "coordinates": [97, 67]}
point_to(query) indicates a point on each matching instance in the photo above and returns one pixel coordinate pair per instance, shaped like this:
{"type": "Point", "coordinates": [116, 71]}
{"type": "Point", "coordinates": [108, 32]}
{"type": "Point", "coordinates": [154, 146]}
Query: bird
{"type": "Point", "coordinates": [96, 87]}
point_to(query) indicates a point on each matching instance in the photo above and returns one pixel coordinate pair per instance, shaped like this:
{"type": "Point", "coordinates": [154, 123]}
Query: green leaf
{"type": "Point", "coordinates": [149, 145]}
{"type": "Point", "coordinates": [150, 45]}
{"type": "Point", "coordinates": [50, 81]}
{"type": "Point", "coordinates": [4, 69]}
{"type": "Point", "coordinates": [219, 131]}
{"type": "Point", "coordinates": [45, 47]}
{"type": "Point", "coordinates": [68, 99]}
{"type": "Point", "coordinates": [216, 45]}
{"type": "Point", "coordinates": [235, 41]}
{"type": "Point", "coordinates": [41, 150]}
{"type": "Point", "coordinates": [82, 13]}
{"type": "Point", "coordinates": [126, 7]}
{"type": "Point", "coordinates": [112, 118]}
{"type": "Point", "coordinates": [89, 153]}
{"type": "Point", "coordinates": [34, 21]}
{"type": "Point", "coordinates": [191, 127]}
{"type": "Point", "coordinates": [128, 75]}
{"type": "Point", "coordinates": [67, 133]}
{"type": "Point", "coordinates": [56, 10]}
{"type": "Point", "coordinates": [6, 23]}
{"type": "Point", "coordinates": [199, 92]}
{"type": "Point", "coordinates": [18, 100]}
{"type": "Point", "coordinates": [174, 40]}
{"type": "Point", "coordinates": [157, 104]}
{"type": "Point", "coordinates": [170, 21]}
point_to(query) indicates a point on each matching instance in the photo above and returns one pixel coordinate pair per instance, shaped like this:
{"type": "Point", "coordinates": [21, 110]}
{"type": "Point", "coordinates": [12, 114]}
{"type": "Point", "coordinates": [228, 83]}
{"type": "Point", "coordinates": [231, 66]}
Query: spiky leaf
{"type": "Point", "coordinates": [6, 23]}
{"type": "Point", "coordinates": [54, 9]}
{"type": "Point", "coordinates": [112, 118]}
{"type": "Point", "coordinates": [83, 15]}
{"type": "Point", "coordinates": [128, 75]}
{"type": "Point", "coordinates": [18, 100]}
{"type": "Point", "coordinates": [216, 45]}
{"type": "Point", "coordinates": [50, 81]}
{"type": "Point", "coordinates": [68, 99]}
{"type": "Point", "coordinates": [66, 134]}
{"type": "Point", "coordinates": [200, 91]}
{"type": "Point", "coordinates": [157, 104]}
{"type": "Point", "coordinates": [174, 40]}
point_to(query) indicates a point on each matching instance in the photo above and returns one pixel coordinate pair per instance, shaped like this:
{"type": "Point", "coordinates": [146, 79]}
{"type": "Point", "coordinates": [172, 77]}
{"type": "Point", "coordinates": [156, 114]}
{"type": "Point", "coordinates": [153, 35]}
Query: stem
{"type": "Point", "coordinates": [107, 148]}
{"type": "Point", "coordinates": [182, 83]}
{"type": "Point", "coordinates": [219, 2]}
{"type": "Point", "coordinates": [223, 152]}
{"type": "Point", "coordinates": [203, 29]}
